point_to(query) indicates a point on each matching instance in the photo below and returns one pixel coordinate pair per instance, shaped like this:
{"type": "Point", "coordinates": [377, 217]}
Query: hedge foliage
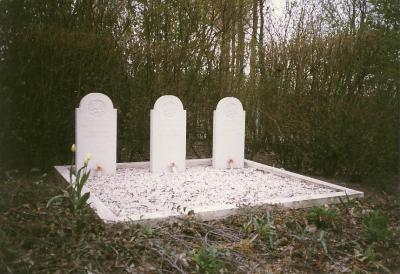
{"type": "Point", "coordinates": [320, 87]}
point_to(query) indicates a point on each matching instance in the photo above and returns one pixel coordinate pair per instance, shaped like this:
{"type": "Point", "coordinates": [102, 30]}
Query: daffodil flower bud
{"type": "Point", "coordinates": [73, 148]}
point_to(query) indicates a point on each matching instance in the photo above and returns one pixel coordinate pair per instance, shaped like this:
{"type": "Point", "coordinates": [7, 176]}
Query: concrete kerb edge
{"type": "Point", "coordinates": [215, 212]}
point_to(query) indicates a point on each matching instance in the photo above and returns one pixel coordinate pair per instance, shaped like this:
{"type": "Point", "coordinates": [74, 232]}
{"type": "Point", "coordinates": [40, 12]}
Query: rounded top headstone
{"type": "Point", "coordinates": [169, 105]}
{"type": "Point", "coordinates": [231, 106]}
{"type": "Point", "coordinates": [96, 104]}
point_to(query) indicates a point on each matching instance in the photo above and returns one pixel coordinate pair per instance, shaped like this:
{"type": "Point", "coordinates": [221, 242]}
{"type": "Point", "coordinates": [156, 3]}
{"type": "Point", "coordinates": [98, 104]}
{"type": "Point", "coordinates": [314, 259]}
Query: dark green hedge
{"type": "Point", "coordinates": [321, 102]}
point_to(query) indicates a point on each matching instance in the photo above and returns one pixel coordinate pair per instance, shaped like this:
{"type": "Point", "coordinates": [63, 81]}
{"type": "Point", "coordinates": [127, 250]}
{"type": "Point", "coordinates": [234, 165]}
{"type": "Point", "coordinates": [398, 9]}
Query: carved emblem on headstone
{"type": "Point", "coordinates": [231, 110]}
{"type": "Point", "coordinates": [96, 108]}
{"type": "Point", "coordinates": [169, 109]}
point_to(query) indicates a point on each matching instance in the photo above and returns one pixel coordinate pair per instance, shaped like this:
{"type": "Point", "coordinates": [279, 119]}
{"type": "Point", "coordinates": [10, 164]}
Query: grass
{"type": "Point", "coordinates": [36, 239]}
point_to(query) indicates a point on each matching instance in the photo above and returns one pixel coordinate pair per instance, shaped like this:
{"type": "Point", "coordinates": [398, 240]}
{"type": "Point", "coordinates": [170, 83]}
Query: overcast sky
{"type": "Point", "coordinates": [277, 5]}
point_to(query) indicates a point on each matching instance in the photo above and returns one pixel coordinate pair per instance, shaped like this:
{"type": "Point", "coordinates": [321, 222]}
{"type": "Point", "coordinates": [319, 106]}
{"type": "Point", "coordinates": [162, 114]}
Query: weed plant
{"type": "Point", "coordinates": [208, 260]}
{"type": "Point", "coordinates": [322, 217]}
{"type": "Point", "coordinates": [377, 227]}
{"type": "Point", "coordinates": [263, 227]}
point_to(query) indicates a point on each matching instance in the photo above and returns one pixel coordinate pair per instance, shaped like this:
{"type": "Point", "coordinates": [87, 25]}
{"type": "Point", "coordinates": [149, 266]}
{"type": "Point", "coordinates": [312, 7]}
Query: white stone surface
{"type": "Point", "coordinates": [96, 133]}
{"type": "Point", "coordinates": [217, 211]}
{"type": "Point", "coordinates": [167, 135]}
{"type": "Point", "coordinates": [135, 192]}
{"type": "Point", "coordinates": [228, 134]}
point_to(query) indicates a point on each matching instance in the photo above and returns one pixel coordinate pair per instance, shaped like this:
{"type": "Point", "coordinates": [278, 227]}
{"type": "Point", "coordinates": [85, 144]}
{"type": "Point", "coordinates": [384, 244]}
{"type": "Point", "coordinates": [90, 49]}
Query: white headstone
{"type": "Point", "coordinates": [96, 133]}
{"type": "Point", "coordinates": [167, 135]}
{"type": "Point", "coordinates": [228, 134]}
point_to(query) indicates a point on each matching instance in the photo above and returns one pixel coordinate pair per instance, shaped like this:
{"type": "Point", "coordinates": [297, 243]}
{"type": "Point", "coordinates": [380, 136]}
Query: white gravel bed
{"type": "Point", "coordinates": [134, 191]}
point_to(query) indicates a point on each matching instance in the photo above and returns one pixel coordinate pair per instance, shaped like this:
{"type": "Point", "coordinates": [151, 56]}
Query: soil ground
{"type": "Point", "coordinates": [335, 239]}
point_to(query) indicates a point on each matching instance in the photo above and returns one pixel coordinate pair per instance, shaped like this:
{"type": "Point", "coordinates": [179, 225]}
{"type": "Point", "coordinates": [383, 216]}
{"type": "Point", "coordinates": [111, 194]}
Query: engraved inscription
{"type": "Point", "coordinates": [171, 128]}
{"type": "Point", "coordinates": [91, 132]}
{"type": "Point", "coordinates": [231, 131]}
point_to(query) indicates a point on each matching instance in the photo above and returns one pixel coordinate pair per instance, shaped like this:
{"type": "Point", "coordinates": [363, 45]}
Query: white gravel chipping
{"type": "Point", "coordinates": [134, 191]}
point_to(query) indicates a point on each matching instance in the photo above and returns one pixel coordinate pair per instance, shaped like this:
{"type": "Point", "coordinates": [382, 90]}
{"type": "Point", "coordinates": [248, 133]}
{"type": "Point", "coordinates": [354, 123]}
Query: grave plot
{"type": "Point", "coordinates": [135, 194]}
{"type": "Point", "coordinates": [169, 186]}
